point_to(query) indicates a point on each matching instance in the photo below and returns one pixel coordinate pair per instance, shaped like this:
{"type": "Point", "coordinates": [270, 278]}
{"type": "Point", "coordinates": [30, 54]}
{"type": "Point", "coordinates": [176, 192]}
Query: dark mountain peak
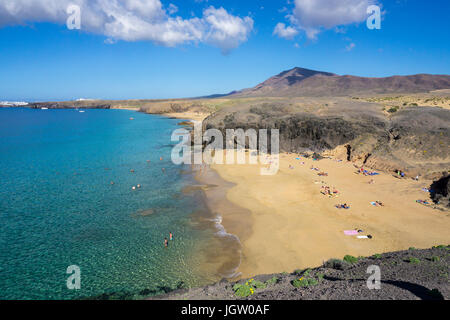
{"type": "Point", "coordinates": [303, 72]}
{"type": "Point", "coordinates": [306, 82]}
{"type": "Point", "coordinates": [292, 77]}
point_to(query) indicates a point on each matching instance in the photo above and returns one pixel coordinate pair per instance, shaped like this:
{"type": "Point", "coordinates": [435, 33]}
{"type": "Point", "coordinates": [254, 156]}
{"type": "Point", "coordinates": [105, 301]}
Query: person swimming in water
{"type": "Point", "coordinates": [170, 236]}
{"type": "Point", "coordinates": [166, 242]}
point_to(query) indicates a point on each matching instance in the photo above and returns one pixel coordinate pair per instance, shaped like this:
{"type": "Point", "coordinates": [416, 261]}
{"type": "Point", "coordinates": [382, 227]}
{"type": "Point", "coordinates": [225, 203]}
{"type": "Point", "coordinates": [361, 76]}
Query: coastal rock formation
{"type": "Point", "coordinates": [414, 140]}
{"type": "Point", "coordinates": [70, 105]}
{"type": "Point", "coordinates": [440, 191]}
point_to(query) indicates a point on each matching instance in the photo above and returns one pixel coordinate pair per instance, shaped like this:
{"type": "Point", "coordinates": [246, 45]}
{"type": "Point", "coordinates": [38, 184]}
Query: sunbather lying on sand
{"type": "Point", "coordinates": [377, 203]}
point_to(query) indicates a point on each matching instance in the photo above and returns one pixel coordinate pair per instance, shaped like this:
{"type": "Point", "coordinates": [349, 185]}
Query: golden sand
{"type": "Point", "coordinates": [289, 224]}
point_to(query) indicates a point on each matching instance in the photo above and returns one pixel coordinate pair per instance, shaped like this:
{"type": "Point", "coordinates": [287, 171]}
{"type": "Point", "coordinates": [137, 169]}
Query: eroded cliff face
{"type": "Point", "coordinates": [440, 191]}
{"type": "Point", "coordinates": [414, 140]}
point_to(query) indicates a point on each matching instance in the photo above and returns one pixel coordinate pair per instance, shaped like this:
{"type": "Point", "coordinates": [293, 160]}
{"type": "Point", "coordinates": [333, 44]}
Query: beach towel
{"type": "Point", "coordinates": [362, 237]}
{"type": "Point", "coordinates": [373, 203]}
{"type": "Point", "coordinates": [351, 232]}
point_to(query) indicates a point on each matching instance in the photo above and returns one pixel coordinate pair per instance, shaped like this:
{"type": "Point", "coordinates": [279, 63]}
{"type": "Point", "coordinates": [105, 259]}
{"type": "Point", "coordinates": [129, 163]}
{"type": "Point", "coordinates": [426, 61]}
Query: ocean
{"type": "Point", "coordinates": [66, 199]}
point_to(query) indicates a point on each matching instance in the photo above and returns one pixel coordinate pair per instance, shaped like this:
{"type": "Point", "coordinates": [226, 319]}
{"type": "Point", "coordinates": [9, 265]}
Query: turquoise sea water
{"type": "Point", "coordinates": [59, 208]}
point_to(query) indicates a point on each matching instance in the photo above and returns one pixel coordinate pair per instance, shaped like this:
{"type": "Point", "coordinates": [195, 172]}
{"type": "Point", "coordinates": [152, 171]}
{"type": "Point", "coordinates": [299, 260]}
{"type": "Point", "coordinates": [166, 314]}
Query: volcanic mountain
{"type": "Point", "coordinates": [305, 82]}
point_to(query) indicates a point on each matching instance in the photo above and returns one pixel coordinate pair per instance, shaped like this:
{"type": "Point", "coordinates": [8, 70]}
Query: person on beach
{"type": "Point", "coordinates": [170, 236]}
{"type": "Point", "coordinates": [166, 243]}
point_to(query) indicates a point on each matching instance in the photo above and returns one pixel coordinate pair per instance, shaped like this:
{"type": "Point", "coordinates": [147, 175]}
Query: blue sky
{"type": "Point", "coordinates": [41, 59]}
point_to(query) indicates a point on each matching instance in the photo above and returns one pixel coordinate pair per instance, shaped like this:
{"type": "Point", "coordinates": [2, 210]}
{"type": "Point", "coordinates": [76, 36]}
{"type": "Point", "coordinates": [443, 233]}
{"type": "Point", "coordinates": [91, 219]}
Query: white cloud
{"type": "Point", "coordinates": [225, 30]}
{"type": "Point", "coordinates": [285, 32]}
{"type": "Point", "coordinates": [172, 8]}
{"type": "Point", "coordinates": [313, 16]}
{"type": "Point", "coordinates": [350, 46]}
{"type": "Point", "coordinates": [135, 20]}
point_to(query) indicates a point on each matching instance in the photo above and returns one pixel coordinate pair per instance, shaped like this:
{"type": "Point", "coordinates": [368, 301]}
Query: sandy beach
{"type": "Point", "coordinates": [284, 222]}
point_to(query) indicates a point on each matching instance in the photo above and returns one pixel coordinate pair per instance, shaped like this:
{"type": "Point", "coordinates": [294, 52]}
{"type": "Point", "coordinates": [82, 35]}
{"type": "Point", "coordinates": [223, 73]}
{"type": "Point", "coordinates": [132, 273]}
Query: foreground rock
{"type": "Point", "coordinates": [405, 275]}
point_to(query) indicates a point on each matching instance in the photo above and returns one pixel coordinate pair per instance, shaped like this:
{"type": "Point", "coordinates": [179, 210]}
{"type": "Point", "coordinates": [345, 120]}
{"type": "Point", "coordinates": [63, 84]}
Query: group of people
{"type": "Point", "coordinates": [400, 173]}
{"type": "Point", "coordinates": [367, 172]}
{"type": "Point", "coordinates": [166, 241]}
{"type": "Point", "coordinates": [326, 190]}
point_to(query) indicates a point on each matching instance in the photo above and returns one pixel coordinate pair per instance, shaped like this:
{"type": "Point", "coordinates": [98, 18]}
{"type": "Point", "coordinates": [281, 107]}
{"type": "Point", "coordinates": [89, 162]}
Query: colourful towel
{"type": "Point", "coordinates": [351, 232]}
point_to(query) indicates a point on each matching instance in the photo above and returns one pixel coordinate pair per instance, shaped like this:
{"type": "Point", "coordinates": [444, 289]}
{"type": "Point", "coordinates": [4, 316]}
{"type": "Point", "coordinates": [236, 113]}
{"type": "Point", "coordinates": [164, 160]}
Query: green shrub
{"type": "Point", "coordinates": [247, 289]}
{"type": "Point", "coordinates": [304, 282]}
{"type": "Point", "coordinates": [413, 260]}
{"type": "Point", "coordinates": [393, 110]}
{"type": "Point", "coordinates": [272, 281]}
{"type": "Point", "coordinates": [257, 284]}
{"type": "Point", "coordinates": [336, 264]}
{"type": "Point", "coordinates": [320, 276]}
{"type": "Point", "coordinates": [350, 259]}
{"type": "Point", "coordinates": [242, 290]}
{"type": "Point", "coordinates": [435, 258]}
{"type": "Point", "coordinates": [412, 248]}
{"type": "Point", "coordinates": [376, 256]}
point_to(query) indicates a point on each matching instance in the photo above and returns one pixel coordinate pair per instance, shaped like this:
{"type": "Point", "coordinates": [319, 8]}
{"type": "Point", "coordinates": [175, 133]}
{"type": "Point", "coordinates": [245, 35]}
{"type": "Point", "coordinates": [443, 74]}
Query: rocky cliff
{"type": "Point", "coordinates": [415, 140]}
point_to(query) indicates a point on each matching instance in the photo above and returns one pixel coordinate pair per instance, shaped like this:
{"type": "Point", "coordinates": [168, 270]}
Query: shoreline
{"type": "Point", "coordinates": [223, 213]}
{"type": "Point", "coordinates": [225, 251]}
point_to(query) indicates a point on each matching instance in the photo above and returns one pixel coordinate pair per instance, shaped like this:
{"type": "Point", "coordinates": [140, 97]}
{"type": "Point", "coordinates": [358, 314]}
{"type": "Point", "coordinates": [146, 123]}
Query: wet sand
{"type": "Point", "coordinates": [285, 223]}
{"type": "Point", "coordinates": [221, 255]}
